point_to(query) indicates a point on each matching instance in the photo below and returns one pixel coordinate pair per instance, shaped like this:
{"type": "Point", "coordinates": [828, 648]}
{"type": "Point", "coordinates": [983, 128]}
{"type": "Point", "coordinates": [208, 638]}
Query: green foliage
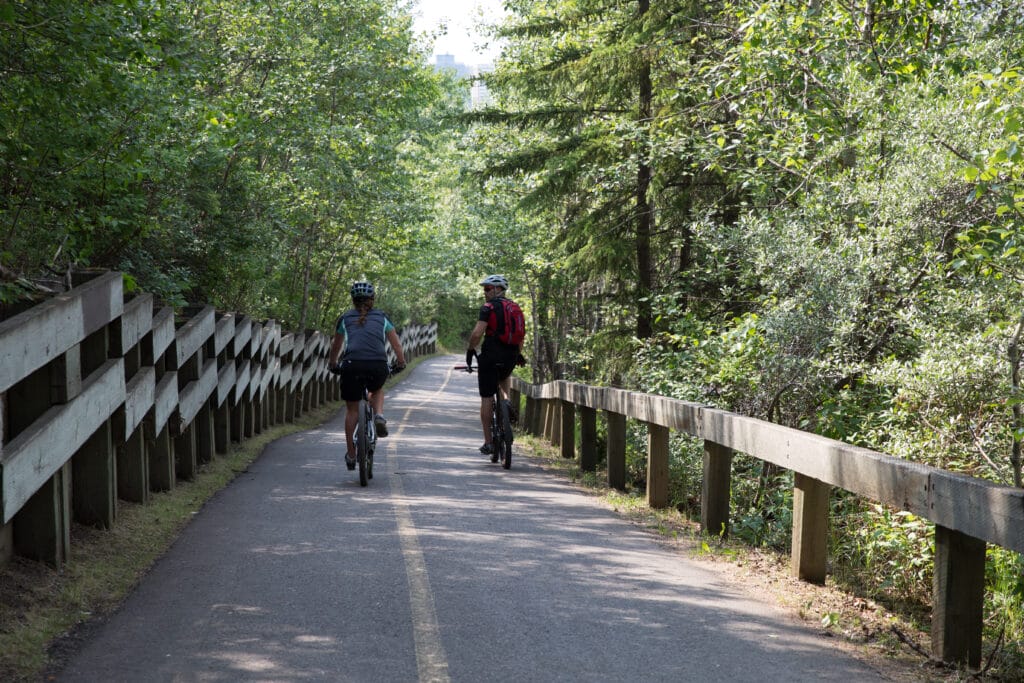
{"type": "Point", "coordinates": [808, 212]}
{"type": "Point", "coordinates": [244, 154]}
{"type": "Point", "coordinates": [837, 243]}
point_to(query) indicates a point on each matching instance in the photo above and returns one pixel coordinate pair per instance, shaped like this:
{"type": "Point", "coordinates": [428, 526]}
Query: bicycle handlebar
{"type": "Point", "coordinates": [467, 368]}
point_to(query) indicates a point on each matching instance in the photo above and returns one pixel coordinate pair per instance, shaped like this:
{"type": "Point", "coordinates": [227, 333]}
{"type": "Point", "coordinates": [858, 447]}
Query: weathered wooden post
{"type": "Point", "coordinates": [284, 393]}
{"type": "Point", "coordinates": [588, 439]}
{"type": "Point", "coordinates": [197, 381]}
{"type": "Point", "coordinates": [516, 397]}
{"type": "Point", "coordinates": [958, 595]}
{"type": "Point", "coordinates": [224, 349]}
{"type": "Point", "coordinates": [298, 370]}
{"type": "Point", "coordinates": [203, 422]}
{"type": "Point", "coordinates": [548, 420]}
{"type": "Point", "coordinates": [249, 423]}
{"type": "Point", "coordinates": [657, 466]}
{"type": "Point", "coordinates": [93, 466]}
{"type": "Point", "coordinates": [555, 422]}
{"type": "Point", "coordinates": [158, 422]}
{"type": "Point", "coordinates": [257, 353]}
{"type": "Point", "coordinates": [810, 529]}
{"type": "Point", "coordinates": [41, 529]}
{"type": "Point", "coordinates": [132, 465]}
{"type": "Point", "coordinates": [238, 412]}
{"type": "Point", "coordinates": [714, 499]}
{"type": "Point", "coordinates": [161, 461]}
{"type": "Point", "coordinates": [185, 464]}
{"type": "Point", "coordinates": [129, 333]}
{"type": "Point", "coordinates": [244, 387]}
{"type": "Point", "coordinates": [616, 453]}
{"type": "Point", "coordinates": [534, 415]}
{"type": "Point", "coordinates": [222, 427]}
{"type": "Point", "coordinates": [94, 480]}
{"type": "Point", "coordinates": [567, 430]}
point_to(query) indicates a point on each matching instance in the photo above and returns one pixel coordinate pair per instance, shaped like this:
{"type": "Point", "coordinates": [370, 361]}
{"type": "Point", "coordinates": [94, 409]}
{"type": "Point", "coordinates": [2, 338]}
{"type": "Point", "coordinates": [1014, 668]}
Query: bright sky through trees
{"type": "Point", "coordinates": [462, 19]}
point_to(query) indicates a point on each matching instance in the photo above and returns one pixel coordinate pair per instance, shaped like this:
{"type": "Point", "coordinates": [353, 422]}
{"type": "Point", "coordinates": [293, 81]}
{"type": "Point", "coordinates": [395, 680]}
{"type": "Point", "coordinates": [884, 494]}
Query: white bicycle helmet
{"type": "Point", "coordinates": [495, 281]}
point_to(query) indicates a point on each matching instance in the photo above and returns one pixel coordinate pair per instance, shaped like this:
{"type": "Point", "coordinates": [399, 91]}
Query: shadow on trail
{"type": "Point", "coordinates": [296, 573]}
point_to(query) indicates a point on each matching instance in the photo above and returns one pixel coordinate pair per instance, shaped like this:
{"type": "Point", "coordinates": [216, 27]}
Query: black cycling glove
{"type": "Point", "coordinates": [520, 360]}
{"type": "Point", "coordinates": [470, 354]}
{"type": "Point", "coordinates": [397, 368]}
{"type": "Point", "coordinates": [336, 369]}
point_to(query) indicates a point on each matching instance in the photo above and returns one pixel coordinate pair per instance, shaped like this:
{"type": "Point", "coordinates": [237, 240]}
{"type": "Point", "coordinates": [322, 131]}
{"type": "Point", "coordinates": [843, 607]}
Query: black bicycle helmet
{"type": "Point", "coordinates": [362, 290]}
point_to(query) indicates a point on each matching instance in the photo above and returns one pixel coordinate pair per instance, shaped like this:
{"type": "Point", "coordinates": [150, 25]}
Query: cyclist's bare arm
{"type": "Point", "coordinates": [336, 344]}
{"type": "Point", "coordinates": [477, 334]}
{"type": "Point", "coordinates": [396, 346]}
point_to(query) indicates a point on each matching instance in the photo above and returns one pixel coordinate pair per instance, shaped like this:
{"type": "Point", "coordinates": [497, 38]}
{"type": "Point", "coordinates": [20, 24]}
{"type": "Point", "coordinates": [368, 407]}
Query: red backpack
{"type": "Point", "coordinates": [511, 327]}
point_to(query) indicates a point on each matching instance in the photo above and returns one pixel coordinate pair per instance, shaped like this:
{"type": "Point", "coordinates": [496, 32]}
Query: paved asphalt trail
{"type": "Point", "coordinates": [445, 568]}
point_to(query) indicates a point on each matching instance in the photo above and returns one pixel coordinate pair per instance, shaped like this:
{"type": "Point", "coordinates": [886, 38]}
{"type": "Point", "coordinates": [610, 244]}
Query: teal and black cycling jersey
{"type": "Point", "coordinates": [367, 341]}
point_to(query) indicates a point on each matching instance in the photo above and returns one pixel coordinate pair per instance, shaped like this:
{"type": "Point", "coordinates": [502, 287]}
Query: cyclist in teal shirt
{"type": "Point", "coordinates": [359, 340]}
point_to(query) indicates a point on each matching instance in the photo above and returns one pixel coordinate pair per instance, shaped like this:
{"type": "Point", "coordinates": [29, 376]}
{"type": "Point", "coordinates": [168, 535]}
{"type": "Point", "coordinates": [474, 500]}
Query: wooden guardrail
{"type": "Point", "coordinates": [967, 512]}
{"type": "Point", "coordinates": [103, 398]}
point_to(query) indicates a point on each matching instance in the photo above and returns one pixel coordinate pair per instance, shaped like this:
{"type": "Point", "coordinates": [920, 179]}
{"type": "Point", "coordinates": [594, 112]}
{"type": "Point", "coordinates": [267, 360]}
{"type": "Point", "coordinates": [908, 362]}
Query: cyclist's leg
{"type": "Point", "coordinates": [485, 417]}
{"type": "Point", "coordinates": [505, 363]}
{"type": "Point", "coordinates": [376, 376]}
{"type": "Point", "coordinates": [487, 382]}
{"type": "Point", "coordinates": [351, 392]}
{"type": "Point", "coordinates": [351, 417]}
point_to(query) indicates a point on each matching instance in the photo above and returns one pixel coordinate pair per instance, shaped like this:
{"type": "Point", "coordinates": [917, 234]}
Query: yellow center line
{"type": "Point", "coordinates": [431, 661]}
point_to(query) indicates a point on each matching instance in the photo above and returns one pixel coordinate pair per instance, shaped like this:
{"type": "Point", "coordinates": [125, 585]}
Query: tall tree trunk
{"type": "Point", "coordinates": [644, 217]}
{"type": "Point", "coordinates": [1014, 354]}
{"type": "Point", "coordinates": [307, 273]}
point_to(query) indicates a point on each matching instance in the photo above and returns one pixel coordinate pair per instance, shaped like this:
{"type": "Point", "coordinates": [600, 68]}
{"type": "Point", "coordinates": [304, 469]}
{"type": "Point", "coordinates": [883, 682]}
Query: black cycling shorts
{"type": "Point", "coordinates": [495, 365]}
{"type": "Point", "coordinates": [357, 375]}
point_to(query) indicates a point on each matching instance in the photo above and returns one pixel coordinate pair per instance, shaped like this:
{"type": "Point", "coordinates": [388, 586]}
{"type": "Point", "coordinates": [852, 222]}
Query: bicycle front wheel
{"type": "Point", "coordinates": [362, 443]}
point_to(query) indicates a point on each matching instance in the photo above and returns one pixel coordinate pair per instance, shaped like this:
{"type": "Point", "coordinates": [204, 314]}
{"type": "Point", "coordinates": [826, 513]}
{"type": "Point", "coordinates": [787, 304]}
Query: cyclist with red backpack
{"type": "Point", "coordinates": [501, 326]}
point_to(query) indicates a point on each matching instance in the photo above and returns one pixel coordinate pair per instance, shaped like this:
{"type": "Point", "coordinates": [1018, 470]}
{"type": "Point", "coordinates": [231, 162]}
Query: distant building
{"type": "Point", "coordinates": [478, 93]}
{"type": "Point", "coordinates": [448, 63]}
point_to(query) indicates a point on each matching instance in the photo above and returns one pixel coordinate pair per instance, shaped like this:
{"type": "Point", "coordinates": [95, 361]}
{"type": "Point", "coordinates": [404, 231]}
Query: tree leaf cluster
{"type": "Point", "coordinates": [258, 156]}
{"type": "Point", "coordinates": [815, 205]}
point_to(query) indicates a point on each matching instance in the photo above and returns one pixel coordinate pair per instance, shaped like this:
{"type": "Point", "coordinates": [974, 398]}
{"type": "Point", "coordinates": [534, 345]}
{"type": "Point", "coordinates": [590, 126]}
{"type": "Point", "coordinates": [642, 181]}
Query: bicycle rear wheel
{"type": "Point", "coordinates": [495, 430]}
{"type": "Point", "coordinates": [362, 443]}
{"type": "Point", "coordinates": [506, 435]}
{"type": "Point", "coordinates": [372, 443]}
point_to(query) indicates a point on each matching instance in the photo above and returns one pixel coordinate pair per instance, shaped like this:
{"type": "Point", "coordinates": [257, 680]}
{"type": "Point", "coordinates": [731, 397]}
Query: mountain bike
{"type": "Point", "coordinates": [365, 439]}
{"type": "Point", "coordinates": [501, 426]}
